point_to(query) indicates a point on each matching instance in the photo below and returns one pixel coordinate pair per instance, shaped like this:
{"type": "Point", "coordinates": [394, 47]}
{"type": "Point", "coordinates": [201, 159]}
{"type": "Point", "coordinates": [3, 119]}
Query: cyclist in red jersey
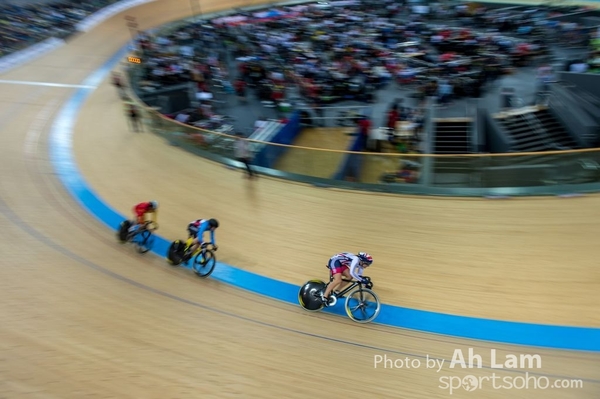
{"type": "Point", "coordinates": [144, 211]}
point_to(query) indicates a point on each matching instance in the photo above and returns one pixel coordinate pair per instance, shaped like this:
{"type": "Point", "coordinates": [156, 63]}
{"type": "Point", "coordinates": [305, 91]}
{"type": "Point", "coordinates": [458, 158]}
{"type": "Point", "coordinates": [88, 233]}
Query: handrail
{"type": "Point", "coordinates": [536, 126]}
{"type": "Point", "coordinates": [381, 154]}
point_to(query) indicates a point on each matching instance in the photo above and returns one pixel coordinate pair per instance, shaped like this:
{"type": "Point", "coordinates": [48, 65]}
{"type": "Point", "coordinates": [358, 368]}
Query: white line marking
{"type": "Point", "coordinates": [50, 84]}
{"type": "Point", "coordinates": [36, 128]}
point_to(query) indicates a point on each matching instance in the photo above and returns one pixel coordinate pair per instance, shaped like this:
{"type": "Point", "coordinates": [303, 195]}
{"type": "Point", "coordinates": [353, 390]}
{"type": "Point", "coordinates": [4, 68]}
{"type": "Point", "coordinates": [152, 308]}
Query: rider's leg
{"type": "Point", "coordinates": [137, 223]}
{"type": "Point", "coordinates": [337, 279]}
{"type": "Point", "coordinates": [193, 238]}
{"type": "Point", "coordinates": [190, 248]}
{"type": "Point", "coordinates": [202, 250]}
{"type": "Point", "coordinates": [195, 245]}
{"type": "Point", "coordinates": [190, 241]}
{"type": "Point", "coordinates": [344, 284]}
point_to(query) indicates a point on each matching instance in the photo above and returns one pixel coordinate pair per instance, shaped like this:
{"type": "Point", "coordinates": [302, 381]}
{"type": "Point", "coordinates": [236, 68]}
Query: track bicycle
{"type": "Point", "coordinates": [203, 258]}
{"type": "Point", "coordinates": [142, 237]}
{"type": "Point", "coordinates": [362, 304]}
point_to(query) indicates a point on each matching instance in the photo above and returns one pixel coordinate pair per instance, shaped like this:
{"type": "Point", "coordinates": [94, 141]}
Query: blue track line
{"type": "Point", "coordinates": [549, 336]}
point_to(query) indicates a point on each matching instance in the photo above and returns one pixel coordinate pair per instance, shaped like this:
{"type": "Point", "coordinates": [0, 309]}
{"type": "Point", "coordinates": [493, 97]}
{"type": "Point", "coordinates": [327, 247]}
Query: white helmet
{"type": "Point", "coordinates": [154, 204]}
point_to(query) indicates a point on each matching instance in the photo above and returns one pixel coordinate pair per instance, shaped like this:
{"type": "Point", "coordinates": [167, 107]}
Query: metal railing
{"type": "Point", "coordinates": [559, 171]}
{"type": "Point", "coordinates": [482, 171]}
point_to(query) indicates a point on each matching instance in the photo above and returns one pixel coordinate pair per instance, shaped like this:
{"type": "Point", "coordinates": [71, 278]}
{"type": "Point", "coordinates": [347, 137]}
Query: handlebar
{"type": "Point", "coordinates": [368, 282]}
{"type": "Point", "coordinates": [208, 245]}
{"type": "Point", "coordinates": [151, 225]}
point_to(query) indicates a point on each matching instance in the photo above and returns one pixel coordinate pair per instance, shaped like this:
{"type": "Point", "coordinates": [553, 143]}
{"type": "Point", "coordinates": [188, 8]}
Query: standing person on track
{"type": "Point", "coordinates": [243, 153]}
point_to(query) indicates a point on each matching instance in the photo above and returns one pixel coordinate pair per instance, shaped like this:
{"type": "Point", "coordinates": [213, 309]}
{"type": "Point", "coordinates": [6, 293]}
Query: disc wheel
{"type": "Point", "coordinates": [123, 231]}
{"type": "Point", "coordinates": [175, 252]}
{"type": "Point", "coordinates": [308, 296]}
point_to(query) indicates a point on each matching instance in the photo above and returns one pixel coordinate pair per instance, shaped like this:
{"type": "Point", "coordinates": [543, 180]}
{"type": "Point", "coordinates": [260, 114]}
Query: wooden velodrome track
{"type": "Point", "coordinates": [82, 316]}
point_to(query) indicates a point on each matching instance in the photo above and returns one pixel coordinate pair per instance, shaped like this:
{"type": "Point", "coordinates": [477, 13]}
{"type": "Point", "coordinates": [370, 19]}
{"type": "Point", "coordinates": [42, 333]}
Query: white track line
{"type": "Point", "coordinates": [37, 127]}
{"type": "Point", "coordinates": [49, 84]}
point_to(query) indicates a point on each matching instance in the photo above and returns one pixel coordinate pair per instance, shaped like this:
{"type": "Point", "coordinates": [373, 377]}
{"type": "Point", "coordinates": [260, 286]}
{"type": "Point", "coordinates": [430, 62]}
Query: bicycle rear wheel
{"type": "Point", "coordinates": [204, 264]}
{"type": "Point", "coordinates": [144, 241]}
{"type": "Point", "coordinates": [123, 231]}
{"type": "Point", "coordinates": [309, 295]}
{"type": "Point", "coordinates": [362, 305]}
{"type": "Point", "coordinates": [175, 252]}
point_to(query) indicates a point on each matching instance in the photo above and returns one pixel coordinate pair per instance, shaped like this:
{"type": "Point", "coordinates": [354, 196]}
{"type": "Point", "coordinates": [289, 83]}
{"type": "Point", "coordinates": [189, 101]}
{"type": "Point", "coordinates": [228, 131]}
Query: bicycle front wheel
{"type": "Point", "coordinates": [204, 263]}
{"type": "Point", "coordinates": [362, 305]}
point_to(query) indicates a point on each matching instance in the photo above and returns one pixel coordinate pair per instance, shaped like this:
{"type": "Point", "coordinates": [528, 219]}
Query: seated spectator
{"type": "Point", "coordinates": [240, 89]}
{"type": "Point", "coordinates": [445, 91]}
{"type": "Point", "coordinates": [579, 67]}
{"type": "Point", "coordinates": [205, 110]}
{"type": "Point", "coordinates": [182, 117]}
{"type": "Point", "coordinates": [392, 117]}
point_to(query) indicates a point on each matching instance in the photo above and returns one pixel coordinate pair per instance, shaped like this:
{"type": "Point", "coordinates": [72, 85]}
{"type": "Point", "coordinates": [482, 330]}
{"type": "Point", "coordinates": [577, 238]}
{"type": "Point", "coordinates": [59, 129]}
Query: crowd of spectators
{"type": "Point", "coordinates": [325, 53]}
{"type": "Point", "coordinates": [346, 50]}
{"type": "Point", "coordinates": [589, 63]}
{"type": "Point", "coordinates": [351, 51]}
{"type": "Point", "coordinates": [190, 54]}
{"type": "Point", "coordinates": [24, 25]}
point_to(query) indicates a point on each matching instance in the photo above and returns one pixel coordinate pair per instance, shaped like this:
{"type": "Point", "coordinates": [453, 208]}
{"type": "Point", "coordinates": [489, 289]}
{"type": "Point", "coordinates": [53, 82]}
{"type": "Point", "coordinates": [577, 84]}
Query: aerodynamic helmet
{"type": "Point", "coordinates": [365, 258]}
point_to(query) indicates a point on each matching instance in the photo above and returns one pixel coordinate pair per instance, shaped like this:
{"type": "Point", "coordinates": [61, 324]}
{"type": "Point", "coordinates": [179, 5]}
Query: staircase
{"type": "Point", "coordinates": [452, 136]}
{"type": "Point", "coordinates": [535, 130]}
{"type": "Point", "coordinates": [555, 130]}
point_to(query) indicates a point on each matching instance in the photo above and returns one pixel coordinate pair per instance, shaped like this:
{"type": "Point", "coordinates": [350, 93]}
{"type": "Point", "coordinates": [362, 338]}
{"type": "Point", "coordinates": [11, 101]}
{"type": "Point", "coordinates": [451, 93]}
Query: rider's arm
{"type": "Point", "coordinates": [212, 237]}
{"type": "Point", "coordinates": [355, 269]}
{"type": "Point", "coordinates": [201, 230]}
{"type": "Point", "coordinates": [148, 217]}
{"type": "Point", "coordinates": [154, 216]}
